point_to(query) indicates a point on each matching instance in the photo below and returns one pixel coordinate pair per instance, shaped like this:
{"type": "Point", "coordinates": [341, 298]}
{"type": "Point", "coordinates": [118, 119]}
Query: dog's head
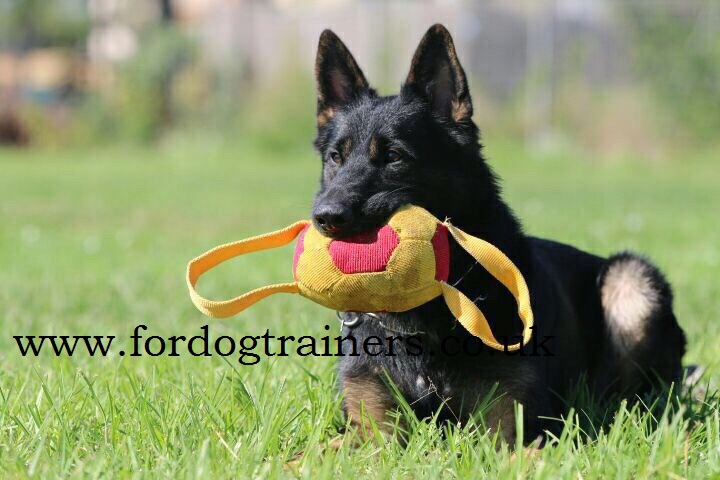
{"type": "Point", "coordinates": [379, 153]}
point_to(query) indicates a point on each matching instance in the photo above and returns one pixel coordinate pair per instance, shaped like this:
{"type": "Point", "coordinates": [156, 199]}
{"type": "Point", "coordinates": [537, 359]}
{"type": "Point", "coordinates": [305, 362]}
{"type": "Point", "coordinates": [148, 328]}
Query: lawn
{"type": "Point", "coordinates": [95, 242]}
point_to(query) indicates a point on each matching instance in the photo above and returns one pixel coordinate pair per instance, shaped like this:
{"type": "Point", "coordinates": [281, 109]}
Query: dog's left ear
{"type": "Point", "coordinates": [338, 77]}
{"type": "Point", "coordinates": [436, 75]}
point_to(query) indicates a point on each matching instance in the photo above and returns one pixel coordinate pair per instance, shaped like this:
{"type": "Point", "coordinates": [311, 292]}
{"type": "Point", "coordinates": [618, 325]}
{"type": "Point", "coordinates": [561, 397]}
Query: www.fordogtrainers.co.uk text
{"type": "Point", "coordinates": [250, 348]}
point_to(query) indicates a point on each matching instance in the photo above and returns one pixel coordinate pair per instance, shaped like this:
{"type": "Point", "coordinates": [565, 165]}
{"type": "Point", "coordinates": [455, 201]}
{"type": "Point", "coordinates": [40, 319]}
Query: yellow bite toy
{"type": "Point", "coordinates": [400, 266]}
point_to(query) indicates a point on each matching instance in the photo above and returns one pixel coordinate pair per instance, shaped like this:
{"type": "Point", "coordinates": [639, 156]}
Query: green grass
{"type": "Point", "coordinates": [96, 242]}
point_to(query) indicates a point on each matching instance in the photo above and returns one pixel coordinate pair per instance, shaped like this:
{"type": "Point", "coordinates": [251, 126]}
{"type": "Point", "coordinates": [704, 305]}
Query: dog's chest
{"type": "Point", "coordinates": [416, 367]}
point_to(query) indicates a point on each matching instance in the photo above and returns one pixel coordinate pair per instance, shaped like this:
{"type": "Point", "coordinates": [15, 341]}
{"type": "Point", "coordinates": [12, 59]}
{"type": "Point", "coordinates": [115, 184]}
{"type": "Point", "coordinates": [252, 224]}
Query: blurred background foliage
{"type": "Point", "coordinates": [135, 134]}
{"type": "Point", "coordinates": [29, 24]}
{"type": "Point", "coordinates": [609, 77]}
{"type": "Point", "coordinates": [677, 48]}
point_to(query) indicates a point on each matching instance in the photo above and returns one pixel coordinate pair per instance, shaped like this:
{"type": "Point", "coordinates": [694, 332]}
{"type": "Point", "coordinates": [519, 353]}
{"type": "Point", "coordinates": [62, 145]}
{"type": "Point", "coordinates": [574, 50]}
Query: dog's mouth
{"type": "Point", "coordinates": [364, 219]}
{"type": "Point", "coordinates": [355, 231]}
{"type": "Point", "coordinates": [361, 228]}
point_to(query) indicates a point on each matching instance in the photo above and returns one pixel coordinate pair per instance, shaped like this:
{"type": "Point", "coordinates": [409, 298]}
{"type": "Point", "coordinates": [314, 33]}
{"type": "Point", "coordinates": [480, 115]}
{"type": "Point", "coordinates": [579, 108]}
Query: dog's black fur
{"type": "Point", "coordinates": [611, 319]}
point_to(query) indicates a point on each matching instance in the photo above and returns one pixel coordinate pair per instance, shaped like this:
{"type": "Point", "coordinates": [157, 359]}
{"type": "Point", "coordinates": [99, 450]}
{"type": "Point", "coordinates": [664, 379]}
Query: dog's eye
{"type": "Point", "coordinates": [393, 156]}
{"type": "Point", "coordinates": [335, 156]}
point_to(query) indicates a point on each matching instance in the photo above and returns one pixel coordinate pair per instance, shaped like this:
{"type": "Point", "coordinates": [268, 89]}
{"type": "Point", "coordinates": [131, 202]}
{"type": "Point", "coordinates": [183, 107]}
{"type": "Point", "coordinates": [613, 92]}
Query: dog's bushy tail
{"type": "Point", "coordinates": [644, 344]}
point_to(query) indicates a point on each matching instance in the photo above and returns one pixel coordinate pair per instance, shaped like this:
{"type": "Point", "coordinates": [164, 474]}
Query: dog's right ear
{"type": "Point", "coordinates": [338, 77]}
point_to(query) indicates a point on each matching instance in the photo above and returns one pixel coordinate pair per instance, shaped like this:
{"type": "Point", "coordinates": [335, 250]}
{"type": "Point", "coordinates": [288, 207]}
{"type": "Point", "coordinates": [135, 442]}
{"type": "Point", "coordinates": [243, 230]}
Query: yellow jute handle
{"type": "Point", "coordinates": [505, 271]}
{"type": "Point", "coordinates": [218, 255]}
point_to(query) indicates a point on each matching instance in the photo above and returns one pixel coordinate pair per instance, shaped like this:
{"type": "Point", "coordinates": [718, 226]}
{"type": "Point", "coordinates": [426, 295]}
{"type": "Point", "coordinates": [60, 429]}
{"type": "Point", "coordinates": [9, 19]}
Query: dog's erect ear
{"type": "Point", "coordinates": [338, 77]}
{"type": "Point", "coordinates": [436, 74]}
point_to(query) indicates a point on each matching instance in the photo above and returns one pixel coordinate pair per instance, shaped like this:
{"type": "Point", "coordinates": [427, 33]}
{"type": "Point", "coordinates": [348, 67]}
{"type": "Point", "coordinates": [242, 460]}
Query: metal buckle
{"type": "Point", "coordinates": [355, 321]}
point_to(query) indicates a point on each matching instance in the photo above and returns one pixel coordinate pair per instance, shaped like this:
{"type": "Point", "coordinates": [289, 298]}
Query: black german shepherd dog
{"type": "Point", "coordinates": [607, 320]}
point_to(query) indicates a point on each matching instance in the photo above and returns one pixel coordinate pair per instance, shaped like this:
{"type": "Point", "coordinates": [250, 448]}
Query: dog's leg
{"type": "Point", "coordinates": [367, 401]}
{"type": "Point", "coordinates": [644, 342]}
{"type": "Point", "coordinates": [365, 398]}
{"type": "Point", "coordinates": [501, 418]}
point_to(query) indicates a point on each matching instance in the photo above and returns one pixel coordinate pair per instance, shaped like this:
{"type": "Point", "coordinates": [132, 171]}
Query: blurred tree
{"type": "Point", "coordinates": [677, 47]}
{"type": "Point", "coordinates": [167, 17]}
{"type": "Point", "coordinates": [144, 103]}
{"type": "Point", "coordinates": [167, 11]}
{"type": "Point", "coordinates": [26, 24]}
{"type": "Point", "coordinates": [140, 106]}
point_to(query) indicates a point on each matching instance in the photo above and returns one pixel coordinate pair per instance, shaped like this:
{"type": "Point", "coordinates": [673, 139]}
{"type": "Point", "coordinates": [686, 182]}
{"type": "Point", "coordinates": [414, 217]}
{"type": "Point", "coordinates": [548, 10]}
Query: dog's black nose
{"type": "Point", "coordinates": [331, 219]}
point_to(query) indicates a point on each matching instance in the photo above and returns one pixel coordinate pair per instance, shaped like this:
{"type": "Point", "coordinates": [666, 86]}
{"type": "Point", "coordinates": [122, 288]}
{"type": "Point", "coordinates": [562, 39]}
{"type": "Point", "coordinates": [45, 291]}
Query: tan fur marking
{"type": "Point", "coordinates": [628, 298]}
{"type": "Point", "coordinates": [325, 116]}
{"type": "Point", "coordinates": [346, 147]}
{"type": "Point", "coordinates": [373, 148]}
{"type": "Point", "coordinates": [366, 397]}
{"type": "Point", "coordinates": [461, 111]}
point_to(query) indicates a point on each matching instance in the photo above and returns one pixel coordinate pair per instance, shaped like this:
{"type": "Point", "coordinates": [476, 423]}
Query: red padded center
{"type": "Point", "coordinates": [368, 252]}
{"type": "Point", "coordinates": [441, 245]}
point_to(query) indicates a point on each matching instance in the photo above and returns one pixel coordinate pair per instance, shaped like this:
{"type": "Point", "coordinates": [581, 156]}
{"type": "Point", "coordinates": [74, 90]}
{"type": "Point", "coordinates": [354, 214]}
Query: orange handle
{"type": "Point", "coordinates": [218, 255]}
{"type": "Point", "coordinates": [505, 271]}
